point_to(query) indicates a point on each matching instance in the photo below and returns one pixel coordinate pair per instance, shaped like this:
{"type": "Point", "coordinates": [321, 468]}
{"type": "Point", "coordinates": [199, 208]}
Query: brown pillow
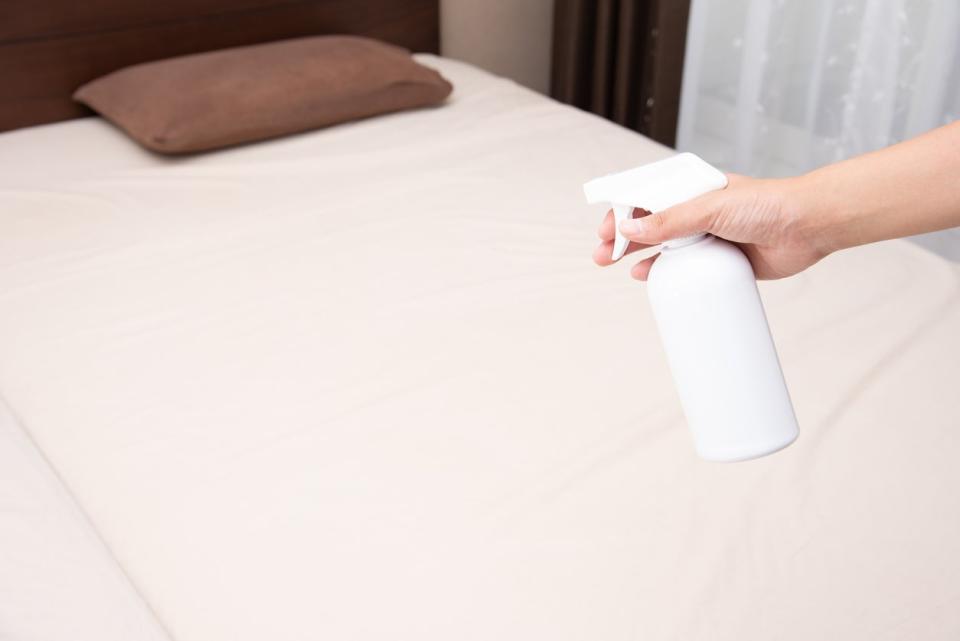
{"type": "Point", "coordinates": [210, 100]}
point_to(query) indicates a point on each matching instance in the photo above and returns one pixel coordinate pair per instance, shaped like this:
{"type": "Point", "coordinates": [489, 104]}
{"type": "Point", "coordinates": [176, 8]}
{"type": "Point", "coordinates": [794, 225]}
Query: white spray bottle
{"type": "Point", "coordinates": [711, 321]}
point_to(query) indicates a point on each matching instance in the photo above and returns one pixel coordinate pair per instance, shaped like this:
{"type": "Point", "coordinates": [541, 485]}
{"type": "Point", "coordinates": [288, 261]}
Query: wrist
{"type": "Point", "coordinates": [828, 223]}
{"type": "Point", "coordinates": [805, 205]}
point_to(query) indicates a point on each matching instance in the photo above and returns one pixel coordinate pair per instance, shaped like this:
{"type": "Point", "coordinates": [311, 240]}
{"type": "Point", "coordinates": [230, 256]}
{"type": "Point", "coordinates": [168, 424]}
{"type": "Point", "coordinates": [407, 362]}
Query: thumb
{"type": "Point", "coordinates": [690, 217]}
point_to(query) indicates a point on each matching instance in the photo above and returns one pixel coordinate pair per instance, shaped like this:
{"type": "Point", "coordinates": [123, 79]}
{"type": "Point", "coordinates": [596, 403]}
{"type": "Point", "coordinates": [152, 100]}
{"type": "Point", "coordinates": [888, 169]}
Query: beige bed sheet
{"type": "Point", "coordinates": [57, 579]}
{"type": "Point", "coordinates": [365, 383]}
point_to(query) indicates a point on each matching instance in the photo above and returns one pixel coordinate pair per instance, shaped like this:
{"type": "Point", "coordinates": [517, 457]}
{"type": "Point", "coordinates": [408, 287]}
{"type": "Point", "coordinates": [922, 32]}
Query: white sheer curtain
{"type": "Point", "coordinates": [775, 87]}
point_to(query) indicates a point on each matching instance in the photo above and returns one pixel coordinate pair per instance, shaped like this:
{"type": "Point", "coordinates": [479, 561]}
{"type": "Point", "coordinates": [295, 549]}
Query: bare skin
{"type": "Point", "coordinates": [784, 225]}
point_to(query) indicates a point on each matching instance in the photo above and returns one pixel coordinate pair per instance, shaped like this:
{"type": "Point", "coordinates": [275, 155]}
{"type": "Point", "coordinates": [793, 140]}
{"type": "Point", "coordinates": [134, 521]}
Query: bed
{"type": "Point", "coordinates": [365, 383]}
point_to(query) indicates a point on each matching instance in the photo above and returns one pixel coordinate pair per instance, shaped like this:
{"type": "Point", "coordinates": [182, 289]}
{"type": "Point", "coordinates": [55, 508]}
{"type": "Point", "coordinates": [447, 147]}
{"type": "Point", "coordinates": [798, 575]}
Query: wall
{"type": "Point", "coordinates": [508, 37]}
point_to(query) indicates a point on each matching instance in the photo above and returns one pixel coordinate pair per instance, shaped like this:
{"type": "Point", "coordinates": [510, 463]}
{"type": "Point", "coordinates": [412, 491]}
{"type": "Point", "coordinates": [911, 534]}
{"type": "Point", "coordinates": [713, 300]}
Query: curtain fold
{"type": "Point", "coordinates": [621, 59]}
{"type": "Point", "coordinates": [781, 88]}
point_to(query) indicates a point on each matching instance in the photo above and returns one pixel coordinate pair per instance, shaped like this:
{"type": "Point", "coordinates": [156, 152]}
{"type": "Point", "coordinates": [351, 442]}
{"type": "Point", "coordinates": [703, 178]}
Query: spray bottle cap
{"type": "Point", "coordinates": [654, 187]}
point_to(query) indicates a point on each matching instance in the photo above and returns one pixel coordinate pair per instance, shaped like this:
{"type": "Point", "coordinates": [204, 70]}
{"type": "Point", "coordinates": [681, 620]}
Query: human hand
{"type": "Point", "coordinates": [769, 219]}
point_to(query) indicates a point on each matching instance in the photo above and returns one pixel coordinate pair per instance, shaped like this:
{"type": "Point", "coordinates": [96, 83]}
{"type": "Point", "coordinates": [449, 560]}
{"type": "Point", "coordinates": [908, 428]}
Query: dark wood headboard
{"type": "Point", "coordinates": [48, 48]}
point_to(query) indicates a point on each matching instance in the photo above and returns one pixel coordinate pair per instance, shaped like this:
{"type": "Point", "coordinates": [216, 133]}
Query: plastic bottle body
{"type": "Point", "coordinates": [718, 344]}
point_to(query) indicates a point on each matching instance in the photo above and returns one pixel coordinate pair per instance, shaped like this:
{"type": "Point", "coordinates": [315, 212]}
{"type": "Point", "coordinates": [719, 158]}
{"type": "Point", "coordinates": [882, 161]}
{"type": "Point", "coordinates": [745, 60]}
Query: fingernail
{"type": "Point", "coordinates": [632, 226]}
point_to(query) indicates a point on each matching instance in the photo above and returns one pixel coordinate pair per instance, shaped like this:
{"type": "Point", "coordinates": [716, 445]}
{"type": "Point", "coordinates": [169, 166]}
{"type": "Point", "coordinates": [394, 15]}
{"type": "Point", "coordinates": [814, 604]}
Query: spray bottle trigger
{"type": "Point", "coordinates": [620, 243]}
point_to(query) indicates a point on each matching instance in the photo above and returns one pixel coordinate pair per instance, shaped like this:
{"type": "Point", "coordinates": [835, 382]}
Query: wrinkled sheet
{"type": "Point", "coordinates": [365, 383]}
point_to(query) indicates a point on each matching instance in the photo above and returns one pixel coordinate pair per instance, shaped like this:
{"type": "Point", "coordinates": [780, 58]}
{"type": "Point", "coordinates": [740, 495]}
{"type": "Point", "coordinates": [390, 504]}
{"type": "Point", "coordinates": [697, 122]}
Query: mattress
{"type": "Point", "coordinates": [366, 383]}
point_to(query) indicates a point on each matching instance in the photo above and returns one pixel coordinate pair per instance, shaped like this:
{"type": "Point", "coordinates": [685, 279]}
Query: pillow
{"type": "Point", "coordinates": [232, 96]}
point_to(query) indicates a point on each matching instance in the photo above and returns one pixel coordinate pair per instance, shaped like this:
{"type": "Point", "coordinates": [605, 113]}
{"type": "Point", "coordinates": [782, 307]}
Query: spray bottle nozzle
{"type": "Point", "coordinates": [654, 187]}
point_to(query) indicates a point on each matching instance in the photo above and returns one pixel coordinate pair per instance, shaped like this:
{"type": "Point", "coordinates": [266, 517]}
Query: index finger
{"type": "Point", "coordinates": [606, 230]}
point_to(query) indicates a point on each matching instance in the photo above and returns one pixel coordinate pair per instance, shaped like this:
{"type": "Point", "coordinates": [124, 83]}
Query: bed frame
{"type": "Point", "coordinates": [48, 48]}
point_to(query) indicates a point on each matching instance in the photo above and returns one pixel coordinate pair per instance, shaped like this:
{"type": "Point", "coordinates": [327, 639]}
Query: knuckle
{"type": "Point", "coordinates": [657, 223]}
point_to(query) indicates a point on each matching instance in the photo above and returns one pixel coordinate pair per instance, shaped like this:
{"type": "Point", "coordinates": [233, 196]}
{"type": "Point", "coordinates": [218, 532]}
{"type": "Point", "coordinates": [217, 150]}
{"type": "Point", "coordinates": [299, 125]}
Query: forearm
{"type": "Point", "coordinates": [909, 188]}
